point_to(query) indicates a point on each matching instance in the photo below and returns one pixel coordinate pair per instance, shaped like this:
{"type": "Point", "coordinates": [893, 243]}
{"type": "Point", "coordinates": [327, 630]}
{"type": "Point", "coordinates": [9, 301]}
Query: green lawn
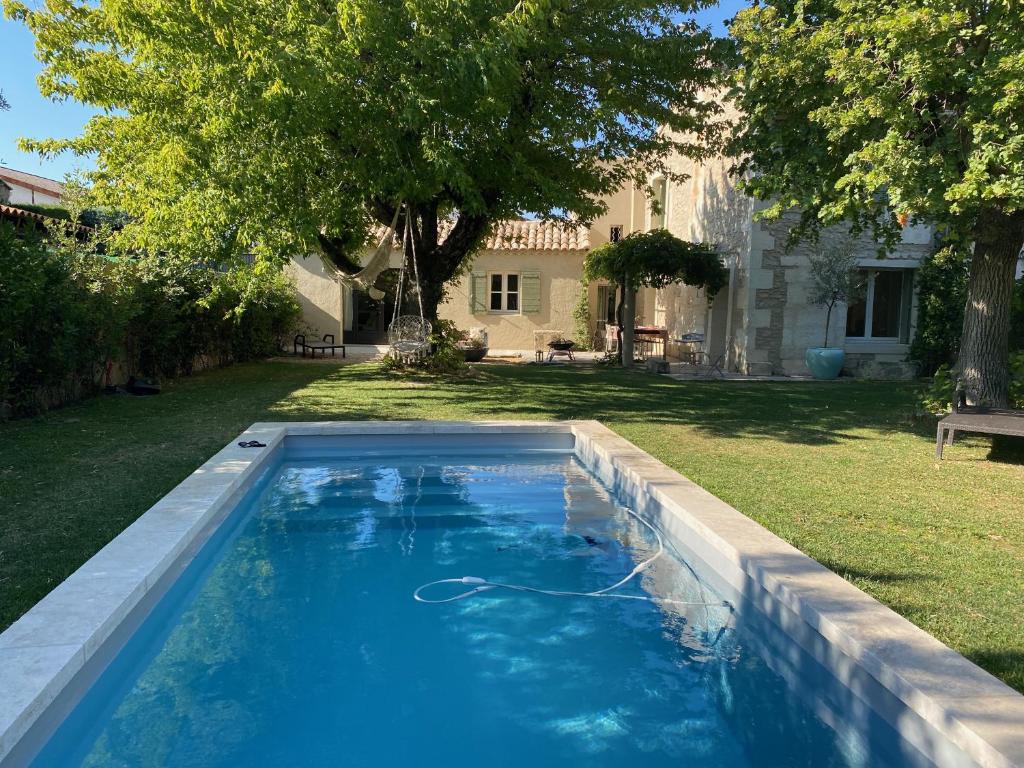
{"type": "Point", "coordinates": [840, 470]}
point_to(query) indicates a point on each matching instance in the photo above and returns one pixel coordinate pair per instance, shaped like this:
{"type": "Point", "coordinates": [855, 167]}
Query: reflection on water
{"type": "Point", "coordinates": [300, 643]}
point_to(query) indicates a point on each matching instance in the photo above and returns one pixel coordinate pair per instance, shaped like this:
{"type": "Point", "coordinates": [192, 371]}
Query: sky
{"type": "Point", "coordinates": [31, 115]}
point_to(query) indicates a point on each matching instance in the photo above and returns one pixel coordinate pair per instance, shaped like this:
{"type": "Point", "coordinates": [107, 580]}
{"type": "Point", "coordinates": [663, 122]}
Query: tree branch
{"type": "Point", "coordinates": [332, 248]}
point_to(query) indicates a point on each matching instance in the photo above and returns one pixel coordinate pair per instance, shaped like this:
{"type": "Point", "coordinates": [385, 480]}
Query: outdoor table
{"type": "Point", "coordinates": [613, 336]}
{"type": "Point", "coordinates": [654, 333]}
{"type": "Point", "coordinates": [693, 342]}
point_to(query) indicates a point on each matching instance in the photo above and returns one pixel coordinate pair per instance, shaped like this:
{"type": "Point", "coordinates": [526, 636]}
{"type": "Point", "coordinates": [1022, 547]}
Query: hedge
{"type": "Point", "coordinates": [68, 316]}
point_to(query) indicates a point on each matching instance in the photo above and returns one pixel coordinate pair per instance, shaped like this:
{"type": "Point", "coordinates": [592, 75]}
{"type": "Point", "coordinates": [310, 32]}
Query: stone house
{"type": "Point", "coordinates": [763, 322]}
{"type": "Point", "coordinates": [525, 278]}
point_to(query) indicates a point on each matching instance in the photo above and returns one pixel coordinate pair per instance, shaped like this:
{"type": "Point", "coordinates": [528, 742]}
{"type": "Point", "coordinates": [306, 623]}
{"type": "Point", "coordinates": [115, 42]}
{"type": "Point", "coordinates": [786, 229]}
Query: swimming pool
{"type": "Point", "coordinates": [287, 630]}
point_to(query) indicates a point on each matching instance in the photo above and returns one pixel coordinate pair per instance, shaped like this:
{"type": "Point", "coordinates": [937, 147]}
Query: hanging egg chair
{"type": "Point", "coordinates": [409, 335]}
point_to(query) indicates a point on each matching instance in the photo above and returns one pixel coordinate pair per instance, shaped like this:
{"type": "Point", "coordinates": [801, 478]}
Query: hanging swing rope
{"type": "Point", "coordinates": [409, 335]}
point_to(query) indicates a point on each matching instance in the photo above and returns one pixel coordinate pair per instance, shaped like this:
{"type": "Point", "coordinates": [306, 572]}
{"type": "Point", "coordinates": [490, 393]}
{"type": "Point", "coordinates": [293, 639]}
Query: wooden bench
{"type": "Point", "coordinates": [326, 343]}
{"type": "Point", "coordinates": [969, 418]}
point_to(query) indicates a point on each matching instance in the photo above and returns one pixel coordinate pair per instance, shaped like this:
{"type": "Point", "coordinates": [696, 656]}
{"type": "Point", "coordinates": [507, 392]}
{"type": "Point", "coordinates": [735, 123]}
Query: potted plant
{"type": "Point", "coordinates": [474, 345]}
{"type": "Point", "coordinates": [835, 279]}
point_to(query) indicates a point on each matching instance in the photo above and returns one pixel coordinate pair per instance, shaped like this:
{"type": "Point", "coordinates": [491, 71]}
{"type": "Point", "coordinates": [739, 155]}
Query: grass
{"type": "Point", "coordinates": [839, 470]}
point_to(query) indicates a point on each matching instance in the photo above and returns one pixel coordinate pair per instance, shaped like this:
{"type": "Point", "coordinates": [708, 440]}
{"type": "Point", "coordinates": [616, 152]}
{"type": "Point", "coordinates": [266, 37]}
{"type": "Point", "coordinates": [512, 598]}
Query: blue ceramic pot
{"type": "Point", "coordinates": [825, 362]}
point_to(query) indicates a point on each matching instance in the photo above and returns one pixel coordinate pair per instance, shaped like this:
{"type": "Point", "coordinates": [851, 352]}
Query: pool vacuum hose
{"type": "Point", "coordinates": [479, 585]}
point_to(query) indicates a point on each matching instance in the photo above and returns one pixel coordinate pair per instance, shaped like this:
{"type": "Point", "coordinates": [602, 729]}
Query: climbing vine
{"type": "Point", "coordinates": [581, 314]}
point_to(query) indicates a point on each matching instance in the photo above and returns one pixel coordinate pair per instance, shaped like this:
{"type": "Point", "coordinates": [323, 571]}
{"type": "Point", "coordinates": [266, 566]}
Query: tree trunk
{"type": "Point", "coordinates": [433, 295]}
{"type": "Point", "coordinates": [984, 365]}
{"type": "Point", "coordinates": [628, 316]}
{"type": "Point", "coordinates": [619, 299]}
{"type": "Point", "coordinates": [437, 262]}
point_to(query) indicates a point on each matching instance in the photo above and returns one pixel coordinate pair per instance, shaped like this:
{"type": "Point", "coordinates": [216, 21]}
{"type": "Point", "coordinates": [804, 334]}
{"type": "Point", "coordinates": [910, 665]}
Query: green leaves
{"type": "Point", "coordinates": [260, 125]}
{"type": "Point", "coordinates": [861, 109]}
{"type": "Point", "coordinates": [655, 259]}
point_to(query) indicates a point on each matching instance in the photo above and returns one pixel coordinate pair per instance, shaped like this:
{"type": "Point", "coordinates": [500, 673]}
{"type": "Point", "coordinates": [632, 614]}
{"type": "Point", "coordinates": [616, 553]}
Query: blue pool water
{"type": "Point", "coordinates": [294, 638]}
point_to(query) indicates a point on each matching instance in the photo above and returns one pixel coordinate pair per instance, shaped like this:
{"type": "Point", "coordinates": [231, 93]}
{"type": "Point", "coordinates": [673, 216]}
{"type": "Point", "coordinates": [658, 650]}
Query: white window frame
{"type": "Point", "coordinates": [505, 293]}
{"type": "Point", "coordinates": [869, 309]}
{"type": "Point", "coordinates": [616, 233]}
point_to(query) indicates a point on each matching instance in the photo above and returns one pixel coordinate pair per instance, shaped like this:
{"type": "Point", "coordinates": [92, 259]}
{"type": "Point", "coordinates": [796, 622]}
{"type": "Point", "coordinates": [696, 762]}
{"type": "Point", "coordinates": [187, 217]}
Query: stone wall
{"type": "Point", "coordinates": [707, 207]}
{"type": "Point", "coordinates": [785, 324]}
{"type": "Point", "coordinates": [764, 321]}
{"type": "Point", "coordinates": [864, 365]}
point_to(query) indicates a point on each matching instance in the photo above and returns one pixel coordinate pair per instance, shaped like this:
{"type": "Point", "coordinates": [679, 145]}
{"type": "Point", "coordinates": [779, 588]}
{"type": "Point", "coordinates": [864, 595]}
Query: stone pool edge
{"type": "Point", "coordinates": [45, 649]}
{"type": "Point", "coordinates": [971, 708]}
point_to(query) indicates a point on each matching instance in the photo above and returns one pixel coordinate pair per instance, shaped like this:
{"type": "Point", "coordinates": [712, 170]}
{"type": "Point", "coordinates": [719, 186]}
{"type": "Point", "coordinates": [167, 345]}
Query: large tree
{"type": "Point", "coordinates": [297, 126]}
{"type": "Point", "coordinates": [880, 111]}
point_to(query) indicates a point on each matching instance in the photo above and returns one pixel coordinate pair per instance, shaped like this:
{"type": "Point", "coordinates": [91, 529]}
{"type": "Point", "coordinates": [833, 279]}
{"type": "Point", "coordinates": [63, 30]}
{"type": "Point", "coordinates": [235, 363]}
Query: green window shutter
{"type": "Point", "coordinates": [530, 288]}
{"type": "Point", "coordinates": [477, 292]}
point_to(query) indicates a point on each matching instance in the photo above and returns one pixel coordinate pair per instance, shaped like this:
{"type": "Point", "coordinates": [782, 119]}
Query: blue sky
{"type": "Point", "coordinates": [33, 116]}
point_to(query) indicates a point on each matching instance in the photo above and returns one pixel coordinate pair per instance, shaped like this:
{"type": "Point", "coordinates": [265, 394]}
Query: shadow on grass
{"type": "Point", "coordinates": [1006, 664]}
{"type": "Point", "coordinates": [802, 413]}
{"type": "Point", "coordinates": [876, 576]}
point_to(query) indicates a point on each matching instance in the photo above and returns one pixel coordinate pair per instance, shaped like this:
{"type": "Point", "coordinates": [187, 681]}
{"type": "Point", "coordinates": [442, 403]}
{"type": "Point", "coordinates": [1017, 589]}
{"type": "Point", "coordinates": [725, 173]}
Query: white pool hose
{"type": "Point", "coordinates": [483, 585]}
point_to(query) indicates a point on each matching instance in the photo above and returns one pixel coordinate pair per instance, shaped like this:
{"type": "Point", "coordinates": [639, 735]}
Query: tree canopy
{"type": "Point", "coordinates": [655, 259]}
{"type": "Point", "coordinates": [875, 112]}
{"type": "Point", "coordinates": [291, 126]}
{"type": "Point", "coordinates": [652, 259]}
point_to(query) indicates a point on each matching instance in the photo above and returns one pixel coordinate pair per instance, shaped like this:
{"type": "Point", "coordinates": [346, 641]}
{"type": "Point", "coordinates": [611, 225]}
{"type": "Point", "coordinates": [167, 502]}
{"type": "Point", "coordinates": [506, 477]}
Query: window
{"type": "Point", "coordinates": [615, 234]}
{"type": "Point", "coordinates": [883, 313]}
{"type": "Point", "coordinates": [504, 293]}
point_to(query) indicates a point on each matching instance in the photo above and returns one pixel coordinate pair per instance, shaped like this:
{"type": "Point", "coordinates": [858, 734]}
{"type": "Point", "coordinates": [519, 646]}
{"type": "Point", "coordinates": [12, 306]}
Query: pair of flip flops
{"type": "Point", "coordinates": [252, 444]}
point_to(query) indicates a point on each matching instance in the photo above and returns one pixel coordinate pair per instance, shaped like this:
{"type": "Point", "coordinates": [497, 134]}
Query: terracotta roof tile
{"type": "Point", "coordinates": [524, 235]}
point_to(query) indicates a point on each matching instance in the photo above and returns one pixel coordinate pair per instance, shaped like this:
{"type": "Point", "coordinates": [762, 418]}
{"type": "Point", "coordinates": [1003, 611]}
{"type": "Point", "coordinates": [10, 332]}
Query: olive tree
{"type": "Point", "coordinates": [834, 279]}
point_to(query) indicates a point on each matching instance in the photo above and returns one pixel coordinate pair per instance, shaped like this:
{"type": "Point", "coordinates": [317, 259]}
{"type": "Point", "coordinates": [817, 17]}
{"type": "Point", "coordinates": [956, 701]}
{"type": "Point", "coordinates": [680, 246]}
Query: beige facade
{"type": "Point", "coordinates": [319, 296]}
{"type": "Point", "coordinates": [538, 266]}
{"type": "Point", "coordinates": [762, 322]}
{"type": "Point", "coordinates": [557, 275]}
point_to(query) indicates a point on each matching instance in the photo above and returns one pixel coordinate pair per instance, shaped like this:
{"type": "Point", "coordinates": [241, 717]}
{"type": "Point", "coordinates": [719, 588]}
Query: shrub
{"type": "Point", "coordinates": [938, 397]}
{"type": "Point", "coordinates": [581, 317]}
{"type": "Point", "coordinates": [260, 306]}
{"type": "Point", "coordinates": [445, 356]}
{"type": "Point", "coordinates": [66, 313]}
{"type": "Point", "coordinates": [52, 325]}
{"type": "Point", "coordinates": [942, 292]}
{"type": "Point", "coordinates": [1017, 318]}
{"type": "Point", "coordinates": [1017, 379]}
